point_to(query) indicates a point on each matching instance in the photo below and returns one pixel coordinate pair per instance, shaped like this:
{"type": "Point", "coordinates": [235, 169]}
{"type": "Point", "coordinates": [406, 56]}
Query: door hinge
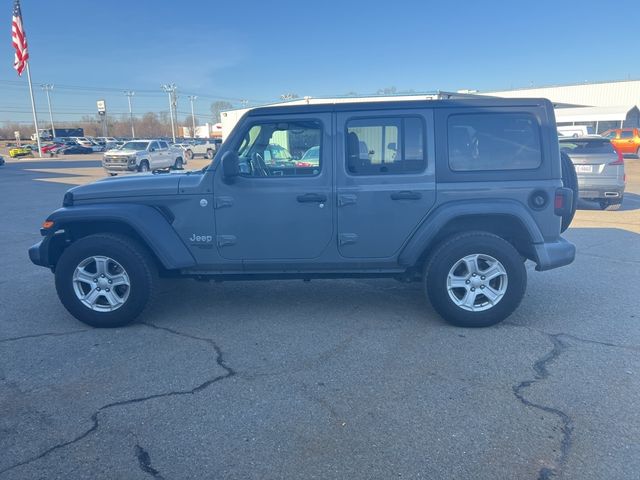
{"type": "Point", "coordinates": [225, 240]}
{"type": "Point", "coordinates": [347, 199]}
{"type": "Point", "coordinates": [220, 202]}
{"type": "Point", "coordinates": [347, 238]}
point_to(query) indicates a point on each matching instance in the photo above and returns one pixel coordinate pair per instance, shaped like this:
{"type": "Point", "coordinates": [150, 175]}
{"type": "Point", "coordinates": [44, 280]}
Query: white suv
{"type": "Point", "coordinates": [201, 146]}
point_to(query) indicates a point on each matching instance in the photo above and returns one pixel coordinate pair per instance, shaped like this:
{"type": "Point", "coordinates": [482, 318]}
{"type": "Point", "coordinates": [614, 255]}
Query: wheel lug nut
{"type": "Point", "coordinates": [110, 290]}
{"type": "Point", "coordinates": [473, 275]}
{"type": "Point", "coordinates": [481, 286]}
{"type": "Point", "coordinates": [98, 288]}
{"type": "Point", "coordinates": [468, 282]}
{"type": "Point", "coordinates": [110, 282]}
{"type": "Point", "coordinates": [95, 280]}
{"type": "Point", "coordinates": [102, 275]}
{"type": "Point", "coordinates": [482, 277]}
{"type": "Point", "coordinates": [472, 289]}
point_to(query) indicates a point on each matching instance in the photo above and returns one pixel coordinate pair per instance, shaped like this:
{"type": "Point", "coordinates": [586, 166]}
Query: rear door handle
{"type": "Point", "coordinates": [406, 195]}
{"type": "Point", "coordinates": [312, 198]}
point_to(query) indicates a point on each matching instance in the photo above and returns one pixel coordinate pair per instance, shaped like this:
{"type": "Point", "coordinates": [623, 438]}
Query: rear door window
{"type": "Point", "coordinates": [383, 146]}
{"type": "Point", "coordinates": [626, 134]}
{"type": "Point", "coordinates": [493, 141]}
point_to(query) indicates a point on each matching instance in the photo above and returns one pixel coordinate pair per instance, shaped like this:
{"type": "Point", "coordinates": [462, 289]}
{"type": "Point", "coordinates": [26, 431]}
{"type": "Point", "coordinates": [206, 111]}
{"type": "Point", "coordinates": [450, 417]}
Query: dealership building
{"type": "Point", "coordinates": [599, 106]}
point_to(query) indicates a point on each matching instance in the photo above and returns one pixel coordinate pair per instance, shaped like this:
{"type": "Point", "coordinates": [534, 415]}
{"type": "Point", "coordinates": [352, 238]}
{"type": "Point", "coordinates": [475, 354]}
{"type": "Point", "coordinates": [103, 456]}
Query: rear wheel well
{"type": "Point", "coordinates": [508, 227]}
{"type": "Point", "coordinates": [77, 230]}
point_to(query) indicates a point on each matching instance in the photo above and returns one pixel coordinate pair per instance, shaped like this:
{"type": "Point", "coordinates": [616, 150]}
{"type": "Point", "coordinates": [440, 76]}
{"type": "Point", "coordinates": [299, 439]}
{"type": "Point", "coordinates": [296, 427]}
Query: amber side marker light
{"type": "Point", "coordinates": [47, 224]}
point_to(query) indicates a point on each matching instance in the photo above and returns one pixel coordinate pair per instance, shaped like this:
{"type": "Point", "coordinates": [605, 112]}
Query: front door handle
{"type": "Point", "coordinates": [406, 195]}
{"type": "Point", "coordinates": [312, 198]}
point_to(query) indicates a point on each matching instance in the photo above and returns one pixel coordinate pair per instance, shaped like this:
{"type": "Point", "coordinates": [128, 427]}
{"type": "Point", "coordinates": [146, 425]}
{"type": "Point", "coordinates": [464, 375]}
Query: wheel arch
{"type": "Point", "coordinates": [148, 225]}
{"type": "Point", "coordinates": [508, 220]}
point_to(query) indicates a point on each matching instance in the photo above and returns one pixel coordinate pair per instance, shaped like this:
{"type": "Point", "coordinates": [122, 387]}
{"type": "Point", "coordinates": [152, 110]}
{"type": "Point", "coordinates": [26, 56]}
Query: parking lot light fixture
{"type": "Point", "coordinates": [47, 87]}
{"type": "Point", "coordinates": [192, 98]}
{"type": "Point", "coordinates": [129, 94]}
{"type": "Point", "coordinates": [170, 89]}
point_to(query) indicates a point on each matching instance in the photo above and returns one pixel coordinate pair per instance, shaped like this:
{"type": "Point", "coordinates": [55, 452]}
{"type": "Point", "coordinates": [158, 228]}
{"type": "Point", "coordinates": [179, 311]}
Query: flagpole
{"type": "Point", "coordinates": [33, 108]}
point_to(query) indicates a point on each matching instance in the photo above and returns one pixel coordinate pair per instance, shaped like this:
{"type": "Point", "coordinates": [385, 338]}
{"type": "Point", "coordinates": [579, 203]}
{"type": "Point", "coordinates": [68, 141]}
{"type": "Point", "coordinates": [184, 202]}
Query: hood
{"type": "Point", "coordinates": [136, 185]}
{"type": "Point", "coordinates": [116, 151]}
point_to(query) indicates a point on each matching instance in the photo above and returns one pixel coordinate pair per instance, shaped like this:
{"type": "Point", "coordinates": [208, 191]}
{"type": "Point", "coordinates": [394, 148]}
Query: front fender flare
{"type": "Point", "coordinates": [437, 220]}
{"type": "Point", "coordinates": [149, 223]}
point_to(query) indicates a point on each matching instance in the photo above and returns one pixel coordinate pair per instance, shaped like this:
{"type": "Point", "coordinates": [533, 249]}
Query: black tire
{"type": "Point", "coordinates": [188, 154]}
{"type": "Point", "coordinates": [452, 251]}
{"type": "Point", "coordinates": [178, 164]}
{"type": "Point", "coordinates": [144, 166]}
{"type": "Point", "coordinates": [569, 180]}
{"type": "Point", "coordinates": [209, 154]}
{"type": "Point", "coordinates": [137, 263]}
{"type": "Point", "coordinates": [113, 174]}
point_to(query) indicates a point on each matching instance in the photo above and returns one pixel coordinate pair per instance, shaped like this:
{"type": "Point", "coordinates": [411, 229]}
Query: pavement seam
{"type": "Point", "coordinates": [220, 361]}
{"type": "Point", "coordinates": [540, 367]}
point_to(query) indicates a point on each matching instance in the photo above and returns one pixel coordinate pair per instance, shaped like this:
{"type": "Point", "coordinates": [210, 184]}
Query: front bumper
{"type": "Point", "coordinates": [554, 254]}
{"type": "Point", "coordinates": [39, 253]}
{"type": "Point", "coordinates": [120, 167]}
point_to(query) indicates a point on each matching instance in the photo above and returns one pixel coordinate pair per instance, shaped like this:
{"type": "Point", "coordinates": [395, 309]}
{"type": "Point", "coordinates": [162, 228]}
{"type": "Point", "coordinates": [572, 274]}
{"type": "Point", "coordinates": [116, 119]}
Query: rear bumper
{"type": "Point", "coordinates": [554, 254]}
{"type": "Point", "coordinates": [610, 188]}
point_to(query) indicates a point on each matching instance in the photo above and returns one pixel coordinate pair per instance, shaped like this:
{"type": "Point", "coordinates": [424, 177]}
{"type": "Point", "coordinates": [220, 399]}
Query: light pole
{"type": "Point", "coordinates": [47, 87]}
{"type": "Point", "coordinates": [192, 99]}
{"type": "Point", "coordinates": [129, 94]}
{"type": "Point", "coordinates": [171, 90]}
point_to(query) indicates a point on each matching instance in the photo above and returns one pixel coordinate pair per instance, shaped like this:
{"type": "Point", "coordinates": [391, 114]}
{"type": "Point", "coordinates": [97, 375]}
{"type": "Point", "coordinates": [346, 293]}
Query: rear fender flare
{"type": "Point", "coordinates": [435, 222]}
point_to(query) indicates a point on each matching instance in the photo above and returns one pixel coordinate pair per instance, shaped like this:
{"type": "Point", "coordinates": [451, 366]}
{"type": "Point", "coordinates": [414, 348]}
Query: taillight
{"type": "Point", "coordinates": [620, 160]}
{"type": "Point", "coordinates": [563, 201]}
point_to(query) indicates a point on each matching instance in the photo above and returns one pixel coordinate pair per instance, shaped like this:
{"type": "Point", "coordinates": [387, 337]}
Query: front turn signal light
{"type": "Point", "coordinates": [47, 224]}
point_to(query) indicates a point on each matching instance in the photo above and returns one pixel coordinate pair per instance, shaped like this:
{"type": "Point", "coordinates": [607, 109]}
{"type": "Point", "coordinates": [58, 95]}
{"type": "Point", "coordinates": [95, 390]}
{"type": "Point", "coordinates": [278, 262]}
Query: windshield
{"type": "Point", "coordinates": [135, 146]}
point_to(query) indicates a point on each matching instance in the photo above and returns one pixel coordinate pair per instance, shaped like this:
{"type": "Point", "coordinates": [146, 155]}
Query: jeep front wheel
{"type": "Point", "coordinates": [475, 279]}
{"type": "Point", "coordinates": [105, 280]}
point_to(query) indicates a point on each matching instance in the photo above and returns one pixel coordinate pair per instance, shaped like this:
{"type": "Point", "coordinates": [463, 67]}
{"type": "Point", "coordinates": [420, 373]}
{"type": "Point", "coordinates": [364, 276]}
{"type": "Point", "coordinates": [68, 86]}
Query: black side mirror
{"type": "Point", "coordinates": [230, 166]}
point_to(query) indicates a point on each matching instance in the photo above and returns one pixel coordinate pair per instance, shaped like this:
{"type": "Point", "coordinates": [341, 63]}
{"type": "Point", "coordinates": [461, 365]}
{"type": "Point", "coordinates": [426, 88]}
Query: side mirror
{"type": "Point", "coordinates": [230, 166]}
{"type": "Point", "coordinates": [392, 146]}
{"type": "Point", "coordinates": [151, 149]}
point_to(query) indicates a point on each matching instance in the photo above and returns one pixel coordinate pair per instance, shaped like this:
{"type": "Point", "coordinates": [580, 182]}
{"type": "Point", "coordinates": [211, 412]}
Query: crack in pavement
{"type": "Point", "coordinates": [540, 367]}
{"type": "Point", "coordinates": [144, 460]}
{"type": "Point", "coordinates": [38, 335]}
{"type": "Point", "coordinates": [94, 417]}
{"type": "Point", "coordinates": [574, 337]}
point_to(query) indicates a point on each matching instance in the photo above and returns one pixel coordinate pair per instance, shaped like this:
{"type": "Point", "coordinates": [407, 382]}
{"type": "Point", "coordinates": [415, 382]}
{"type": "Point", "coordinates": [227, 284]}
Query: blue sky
{"type": "Point", "coordinates": [257, 50]}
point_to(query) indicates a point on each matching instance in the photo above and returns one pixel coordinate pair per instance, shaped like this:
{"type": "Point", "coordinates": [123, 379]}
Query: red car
{"type": "Point", "coordinates": [49, 148]}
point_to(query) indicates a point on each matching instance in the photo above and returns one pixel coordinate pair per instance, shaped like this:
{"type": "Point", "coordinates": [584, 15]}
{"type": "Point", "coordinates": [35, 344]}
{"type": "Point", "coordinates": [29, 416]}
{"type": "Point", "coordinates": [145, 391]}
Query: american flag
{"type": "Point", "coordinates": [19, 39]}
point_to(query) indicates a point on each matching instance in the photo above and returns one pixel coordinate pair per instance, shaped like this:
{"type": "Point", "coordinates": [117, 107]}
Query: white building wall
{"type": "Point", "coordinates": [603, 94]}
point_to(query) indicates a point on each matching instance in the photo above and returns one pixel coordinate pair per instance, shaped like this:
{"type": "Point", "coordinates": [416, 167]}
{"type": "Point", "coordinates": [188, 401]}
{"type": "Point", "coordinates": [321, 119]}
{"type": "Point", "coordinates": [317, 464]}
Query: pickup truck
{"type": "Point", "coordinates": [143, 156]}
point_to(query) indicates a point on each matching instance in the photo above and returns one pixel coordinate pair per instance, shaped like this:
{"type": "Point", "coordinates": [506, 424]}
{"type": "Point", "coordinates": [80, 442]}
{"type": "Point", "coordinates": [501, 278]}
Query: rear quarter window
{"type": "Point", "coordinates": [493, 141]}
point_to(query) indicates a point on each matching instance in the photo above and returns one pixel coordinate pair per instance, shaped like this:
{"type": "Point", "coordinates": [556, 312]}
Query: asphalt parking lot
{"type": "Point", "coordinates": [349, 379]}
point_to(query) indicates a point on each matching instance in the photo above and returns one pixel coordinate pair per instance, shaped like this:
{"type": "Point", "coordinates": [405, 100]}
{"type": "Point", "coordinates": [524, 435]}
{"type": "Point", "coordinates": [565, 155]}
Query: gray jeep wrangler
{"type": "Point", "coordinates": [456, 193]}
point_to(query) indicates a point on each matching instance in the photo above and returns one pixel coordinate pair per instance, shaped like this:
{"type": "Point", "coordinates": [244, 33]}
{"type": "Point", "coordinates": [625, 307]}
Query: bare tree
{"type": "Point", "coordinates": [218, 107]}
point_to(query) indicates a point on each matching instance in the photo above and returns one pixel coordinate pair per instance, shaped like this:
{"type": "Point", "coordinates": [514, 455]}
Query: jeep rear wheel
{"type": "Point", "coordinates": [105, 280]}
{"type": "Point", "coordinates": [475, 279]}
